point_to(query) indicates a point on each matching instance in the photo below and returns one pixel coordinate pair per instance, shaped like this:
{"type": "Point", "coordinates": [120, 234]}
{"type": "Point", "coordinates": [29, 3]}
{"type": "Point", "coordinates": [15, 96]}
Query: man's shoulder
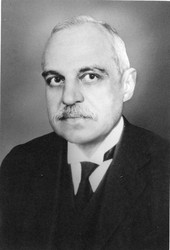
{"type": "Point", "coordinates": [147, 151]}
{"type": "Point", "coordinates": [148, 143]}
{"type": "Point", "coordinates": [37, 149]}
{"type": "Point", "coordinates": [39, 144]}
{"type": "Point", "coordinates": [145, 137]}
{"type": "Point", "coordinates": [50, 138]}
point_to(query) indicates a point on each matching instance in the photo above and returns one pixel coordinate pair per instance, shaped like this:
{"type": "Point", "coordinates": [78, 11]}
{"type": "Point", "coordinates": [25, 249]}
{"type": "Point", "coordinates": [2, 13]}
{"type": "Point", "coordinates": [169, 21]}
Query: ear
{"type": "Point", "coordinates": [129, 82]}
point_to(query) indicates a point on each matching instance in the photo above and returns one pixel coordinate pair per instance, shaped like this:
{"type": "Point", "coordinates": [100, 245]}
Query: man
{"type": "Point", "coordinates": [48, 201]}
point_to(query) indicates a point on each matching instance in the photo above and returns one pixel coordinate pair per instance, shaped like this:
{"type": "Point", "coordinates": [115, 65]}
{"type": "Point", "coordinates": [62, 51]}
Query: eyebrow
{"type": "Point", "coordinates": [50, 72]}
{"type": "Point", "coordinates": [102, 70]}
{"type": "Point", "coordinates": [82, 70]}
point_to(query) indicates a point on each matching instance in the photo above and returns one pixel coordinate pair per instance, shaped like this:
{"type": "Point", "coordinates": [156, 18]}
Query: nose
{"type": "Point", "coordinates": [72, 94]}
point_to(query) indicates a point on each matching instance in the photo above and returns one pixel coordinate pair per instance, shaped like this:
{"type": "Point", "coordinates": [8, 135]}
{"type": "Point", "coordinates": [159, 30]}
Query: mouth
{"type": "Point", "coordinates": [74, 118]}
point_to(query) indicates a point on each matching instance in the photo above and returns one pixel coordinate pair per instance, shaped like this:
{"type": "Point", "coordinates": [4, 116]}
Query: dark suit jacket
{"type": "Point", "coordinates": [133, 214]}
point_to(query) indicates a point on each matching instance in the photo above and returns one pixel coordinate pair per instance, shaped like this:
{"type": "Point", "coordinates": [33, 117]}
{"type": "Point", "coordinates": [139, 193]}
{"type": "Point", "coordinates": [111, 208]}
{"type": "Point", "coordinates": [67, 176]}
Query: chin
{"type": "Point", "coordinates": [77, 137]}
{"type": "Point", "coordinates": [74, 133]}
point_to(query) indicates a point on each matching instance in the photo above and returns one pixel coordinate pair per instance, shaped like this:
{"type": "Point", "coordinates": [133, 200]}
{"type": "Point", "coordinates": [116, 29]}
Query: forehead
{"type": "Point", "coordinates": [78, 44]}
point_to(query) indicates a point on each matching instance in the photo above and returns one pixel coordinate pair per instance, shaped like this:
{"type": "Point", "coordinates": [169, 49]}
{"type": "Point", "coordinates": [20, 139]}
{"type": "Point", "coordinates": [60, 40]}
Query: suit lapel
{"type": "Point", "coordinates": [48, 185]}
{"type": "Point", "coordinates": [59, 161]}
{"type": "Point", "coordinates": [125, 181]}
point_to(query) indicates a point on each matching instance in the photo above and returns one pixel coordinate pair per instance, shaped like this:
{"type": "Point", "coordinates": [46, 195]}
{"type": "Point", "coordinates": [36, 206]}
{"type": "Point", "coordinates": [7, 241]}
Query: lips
{"type": "Point", "coordinates": [73, 116]}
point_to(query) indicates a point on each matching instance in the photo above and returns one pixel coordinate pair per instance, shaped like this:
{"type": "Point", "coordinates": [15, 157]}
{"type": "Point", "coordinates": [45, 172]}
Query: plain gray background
{"type": "Point", "coordinates": [26, 25]}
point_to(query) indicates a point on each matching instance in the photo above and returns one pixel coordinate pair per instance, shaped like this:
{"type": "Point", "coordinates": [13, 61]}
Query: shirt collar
{"type": "Point", "coordinates": [75, 154]}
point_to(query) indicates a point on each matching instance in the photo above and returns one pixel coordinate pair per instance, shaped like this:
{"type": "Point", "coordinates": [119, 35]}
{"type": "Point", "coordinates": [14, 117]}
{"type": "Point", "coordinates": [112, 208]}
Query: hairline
{"type": "Point", "coordinates": [111, 33]}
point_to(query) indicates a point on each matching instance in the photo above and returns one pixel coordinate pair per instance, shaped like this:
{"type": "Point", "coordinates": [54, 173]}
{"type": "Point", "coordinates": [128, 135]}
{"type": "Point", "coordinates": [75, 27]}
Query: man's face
{"type": "Point", "coordinates": [84, 93]}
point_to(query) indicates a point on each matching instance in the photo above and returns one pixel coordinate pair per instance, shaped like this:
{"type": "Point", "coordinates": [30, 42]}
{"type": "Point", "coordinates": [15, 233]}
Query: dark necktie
{"type": "Point", "coordinates": [84, 191]}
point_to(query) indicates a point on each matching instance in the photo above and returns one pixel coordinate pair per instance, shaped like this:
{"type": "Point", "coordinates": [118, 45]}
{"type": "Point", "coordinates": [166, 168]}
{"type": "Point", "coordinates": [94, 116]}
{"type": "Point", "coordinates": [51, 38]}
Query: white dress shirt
{"type": "Point", "coordinates": [75, 155]}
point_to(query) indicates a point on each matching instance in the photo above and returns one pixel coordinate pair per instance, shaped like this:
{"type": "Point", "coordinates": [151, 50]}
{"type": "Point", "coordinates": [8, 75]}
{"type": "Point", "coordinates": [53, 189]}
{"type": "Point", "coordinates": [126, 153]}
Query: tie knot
{"type": "Point", "coordinates": [87, 169]}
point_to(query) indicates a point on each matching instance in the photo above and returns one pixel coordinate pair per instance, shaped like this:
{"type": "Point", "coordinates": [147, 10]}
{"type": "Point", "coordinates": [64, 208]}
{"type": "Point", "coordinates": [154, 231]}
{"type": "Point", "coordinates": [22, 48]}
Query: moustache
{"type": "Point", "coordinates": [75, 111]}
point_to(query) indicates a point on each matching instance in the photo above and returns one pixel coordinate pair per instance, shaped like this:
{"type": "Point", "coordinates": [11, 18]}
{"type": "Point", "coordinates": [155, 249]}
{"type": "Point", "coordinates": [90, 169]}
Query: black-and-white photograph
{"type": "Point", "coordinates": [85, 125]}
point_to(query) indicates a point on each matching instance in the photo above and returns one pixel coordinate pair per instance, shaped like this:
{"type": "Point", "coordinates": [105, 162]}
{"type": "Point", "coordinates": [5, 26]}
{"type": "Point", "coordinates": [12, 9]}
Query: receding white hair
{"type": "Point", "coordinates": [117, 44]}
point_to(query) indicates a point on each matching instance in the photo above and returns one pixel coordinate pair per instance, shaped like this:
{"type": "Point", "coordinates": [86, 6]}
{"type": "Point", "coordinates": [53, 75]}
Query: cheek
{"type": "Point", "coordinates": [114, 96]}
{"type": "Point", "coordinates": [53, 99]}
{"type": "Point", "coordinates": [105, 100]}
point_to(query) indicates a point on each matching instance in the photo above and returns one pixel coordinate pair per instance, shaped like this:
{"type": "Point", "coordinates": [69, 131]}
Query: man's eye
{"type": "Point", "coordinates": [55, 80]}
{"type": "Point", "coordinates": [90, 77]}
